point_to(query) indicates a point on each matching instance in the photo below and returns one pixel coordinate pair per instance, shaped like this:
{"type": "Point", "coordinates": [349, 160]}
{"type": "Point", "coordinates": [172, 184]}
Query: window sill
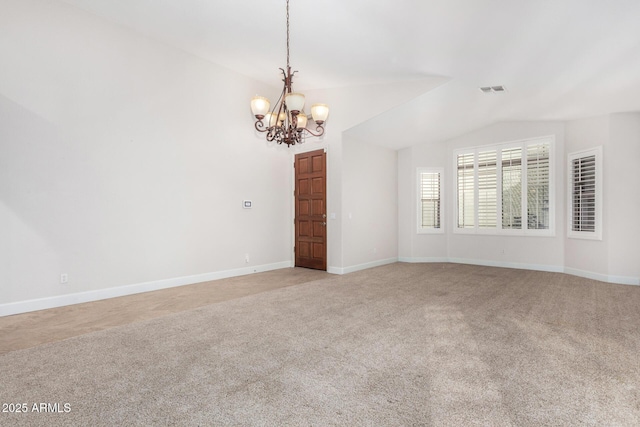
{"type": "Point", "coordinates": [507, 233]}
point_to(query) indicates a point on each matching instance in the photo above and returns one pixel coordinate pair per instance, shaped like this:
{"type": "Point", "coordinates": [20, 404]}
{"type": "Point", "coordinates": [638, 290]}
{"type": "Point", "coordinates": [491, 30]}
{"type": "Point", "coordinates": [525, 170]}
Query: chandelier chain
{"type": "Point", "coordinates": [287, 34]}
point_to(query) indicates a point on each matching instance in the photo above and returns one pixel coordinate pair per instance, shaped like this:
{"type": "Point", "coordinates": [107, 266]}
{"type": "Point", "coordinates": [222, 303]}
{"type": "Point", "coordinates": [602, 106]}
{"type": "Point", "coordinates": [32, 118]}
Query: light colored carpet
{"type": "Point", "coordinates": [403, 344]}
{"type": "Point", "coordinates": [31, 329]}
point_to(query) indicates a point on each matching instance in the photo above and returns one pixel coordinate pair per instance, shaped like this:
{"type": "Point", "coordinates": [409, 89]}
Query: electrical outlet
{"type": "Point", "coordinates": [246, 258]}
{"type": "Point", "coordinates": [64, 278]}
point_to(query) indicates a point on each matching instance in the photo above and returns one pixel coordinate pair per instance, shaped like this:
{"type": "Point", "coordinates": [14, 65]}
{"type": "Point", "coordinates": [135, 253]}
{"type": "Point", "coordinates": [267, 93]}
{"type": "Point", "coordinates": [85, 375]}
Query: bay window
{"type": "Point", "coordinates": [505, 189]}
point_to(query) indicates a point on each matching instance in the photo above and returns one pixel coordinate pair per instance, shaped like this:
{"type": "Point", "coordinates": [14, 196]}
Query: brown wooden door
{"type": "Point", "coordinates": [311, 210]}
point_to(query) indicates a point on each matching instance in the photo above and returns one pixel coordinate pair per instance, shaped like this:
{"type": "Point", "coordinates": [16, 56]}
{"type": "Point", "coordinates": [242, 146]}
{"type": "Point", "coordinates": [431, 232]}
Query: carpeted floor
{"type": "Point", "coordinates": [31, 329]}
{"type": "Point", "coordinates": [403, 344]}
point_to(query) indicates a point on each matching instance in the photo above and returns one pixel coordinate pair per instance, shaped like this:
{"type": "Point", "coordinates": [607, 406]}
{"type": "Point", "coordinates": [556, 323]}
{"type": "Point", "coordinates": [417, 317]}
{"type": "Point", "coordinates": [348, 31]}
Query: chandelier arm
{"type": "Point", "coordinates": [272, 133]}
{"type": "Point", "coordinates": [287, 80]}
{"type": "Point", "coordinates": [260, 126]}
{"type": "Point", "coordinates": [280, 103]}
{"type": "Point", "coordinates": [319, 130]}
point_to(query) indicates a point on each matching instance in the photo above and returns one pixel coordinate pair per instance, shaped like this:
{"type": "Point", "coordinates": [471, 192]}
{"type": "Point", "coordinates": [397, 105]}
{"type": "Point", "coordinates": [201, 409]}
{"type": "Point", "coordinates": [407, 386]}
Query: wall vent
{"type": "Point", "coordinates": [493, 89]}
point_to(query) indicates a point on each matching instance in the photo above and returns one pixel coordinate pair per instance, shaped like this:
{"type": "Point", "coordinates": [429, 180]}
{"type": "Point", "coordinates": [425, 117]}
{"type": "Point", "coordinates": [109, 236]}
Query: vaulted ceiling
{"type": "Point", "coordinates": [558, 59]}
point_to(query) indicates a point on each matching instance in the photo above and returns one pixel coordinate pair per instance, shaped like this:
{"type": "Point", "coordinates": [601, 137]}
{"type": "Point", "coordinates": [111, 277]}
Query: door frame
{"type": "Point", "coordinates": [292, 185]}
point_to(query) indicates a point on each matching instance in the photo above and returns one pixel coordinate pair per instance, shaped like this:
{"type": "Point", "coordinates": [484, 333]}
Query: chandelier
{"type": "Point", "coordinates": [286, 123]}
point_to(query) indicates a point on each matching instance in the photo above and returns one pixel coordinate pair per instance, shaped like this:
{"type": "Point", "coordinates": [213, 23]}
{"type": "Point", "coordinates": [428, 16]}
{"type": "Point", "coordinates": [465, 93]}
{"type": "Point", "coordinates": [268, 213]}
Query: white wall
{"type": "Point", "coordinates": [414, 247]}
{"type": "Point", "coordinates": [352, 113]}
{"type": "Point", "coordinates": [370, 210]}
{"type": "Point", "coordinates": [545, 253]}
{"type": "Point", "coordinates": [582, 256]}
{"type": "Point", "coordinates": [124, 161]}
{"type": "Point", "coordinates": [512, 251]}
{"type": "Point", "coordinates": [616, 257]}
{"type": "Point", "coordinates": [405, 202]}
{"type": "Point", "coordinates": [622, 187]}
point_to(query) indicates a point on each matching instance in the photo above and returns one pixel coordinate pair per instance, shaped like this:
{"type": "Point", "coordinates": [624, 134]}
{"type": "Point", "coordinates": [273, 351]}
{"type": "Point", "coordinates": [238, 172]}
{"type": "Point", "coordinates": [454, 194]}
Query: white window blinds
{"type": "Point", "coordinates": [430, 201]}
{"type": "Point", "coordinates": [583, 172]}
{"type": "Point", "coordinates": [512, 188]}
{"type": "Point", "coordinates": [487, 189]}
{"type": "Point", "coordinates": [585, 194]}
{"type": "Point", "coordinates": [505, 187]}
{"type": "Point", "coordinates": [466, 190]}
{"type": "Point", "coordinates": [538, 186]}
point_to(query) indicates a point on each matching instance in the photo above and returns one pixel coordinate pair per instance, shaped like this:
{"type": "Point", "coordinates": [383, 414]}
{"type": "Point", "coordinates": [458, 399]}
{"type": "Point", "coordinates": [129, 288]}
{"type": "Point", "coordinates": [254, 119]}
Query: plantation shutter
{"type": "Point", "coordinates": [583, 175]}
{"type": "Point", "coordinates": [487, 189]}
{"type": "Point", "coordinates": [512, 188]}
{"type": "Point", "coordinates": [430, 199]}
{"type": "Point", "coordinates": [466, 191]}
{"type": "Point", "coordinates": [538, 186]}
{"type": "Point", "coordinates": [506, 187]}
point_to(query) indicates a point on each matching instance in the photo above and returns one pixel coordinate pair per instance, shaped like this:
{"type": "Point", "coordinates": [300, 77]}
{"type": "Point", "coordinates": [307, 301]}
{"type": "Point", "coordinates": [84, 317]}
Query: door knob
{"type": "Point", "coordinates": [324, 215]}
{"type": "Point", "coordinates": [324, 224]}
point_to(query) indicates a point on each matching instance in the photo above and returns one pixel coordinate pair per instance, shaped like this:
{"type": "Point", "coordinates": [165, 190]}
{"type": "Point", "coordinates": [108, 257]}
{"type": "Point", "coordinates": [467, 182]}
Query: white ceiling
{"type": "Point", "coordinates": [558, 59]}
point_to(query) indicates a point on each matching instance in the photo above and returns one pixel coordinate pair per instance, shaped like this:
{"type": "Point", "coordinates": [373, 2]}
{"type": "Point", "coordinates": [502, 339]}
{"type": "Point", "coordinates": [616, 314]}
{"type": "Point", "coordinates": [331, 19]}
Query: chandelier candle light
{"type": "Point", "coordinates": [287, 122]}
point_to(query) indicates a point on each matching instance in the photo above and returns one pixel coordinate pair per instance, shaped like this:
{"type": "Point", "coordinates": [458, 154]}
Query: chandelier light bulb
{"type": "Point", "coordinates": [294, 102]}
{"type": "Point", "coordinates": [302, 120]}
{"type": "Point", "coordinates": [271, 119]}
{"type": "Point", "coordinates": [319, 112]}
{"type": "Point", "coordinates": [259, 106]}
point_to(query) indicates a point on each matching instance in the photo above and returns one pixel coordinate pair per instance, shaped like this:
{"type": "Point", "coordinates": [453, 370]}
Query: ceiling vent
{"type": "Point", "coordinates": [493, 89]}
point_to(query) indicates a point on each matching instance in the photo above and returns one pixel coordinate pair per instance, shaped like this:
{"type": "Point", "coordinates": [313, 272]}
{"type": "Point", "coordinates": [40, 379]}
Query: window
{"type": "Point", "coordinates": [585, 194]}
{"type": "Point", "coordinates": [505, 188]}
{"type": "Point", "coordinates": [430, 200]}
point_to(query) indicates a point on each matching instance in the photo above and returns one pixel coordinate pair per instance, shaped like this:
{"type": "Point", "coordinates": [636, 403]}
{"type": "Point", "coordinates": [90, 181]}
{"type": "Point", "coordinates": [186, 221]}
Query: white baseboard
{"type": "Point", "coordinates": [517, 265]}
{"type": "Point", "coordinates": [99, 294]}
{"type": "Point", "coordinates": [423, 259]}
{"type": "Point", "coordinates": [624, 280]}
{"type": "Point", "coordinates": [354, 268]}
{"type": "Point", "coordinates": [88, 296]}
{"type": "Point", "coordinates": [621, 280]}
